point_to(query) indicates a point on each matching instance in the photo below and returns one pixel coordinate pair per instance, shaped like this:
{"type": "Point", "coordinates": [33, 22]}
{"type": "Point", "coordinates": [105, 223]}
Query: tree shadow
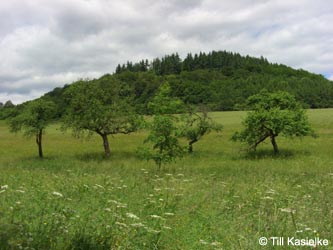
{"type": "Point", "coordinates": [269, 154]}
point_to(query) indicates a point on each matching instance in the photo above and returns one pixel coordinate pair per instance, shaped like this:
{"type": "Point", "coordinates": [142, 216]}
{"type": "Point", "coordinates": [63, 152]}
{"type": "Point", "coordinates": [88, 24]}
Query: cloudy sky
{"type": "Point", "coordinates": [47, 43]}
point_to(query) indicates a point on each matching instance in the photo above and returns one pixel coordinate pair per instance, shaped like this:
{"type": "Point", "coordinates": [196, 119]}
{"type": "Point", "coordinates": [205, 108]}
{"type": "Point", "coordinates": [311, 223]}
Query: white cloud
{"type": "Point", "coordinates": [44, 44]}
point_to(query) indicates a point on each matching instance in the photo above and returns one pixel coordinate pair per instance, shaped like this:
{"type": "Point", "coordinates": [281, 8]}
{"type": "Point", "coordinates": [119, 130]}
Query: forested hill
{"type": "Point", "coordinates": [221, 80]}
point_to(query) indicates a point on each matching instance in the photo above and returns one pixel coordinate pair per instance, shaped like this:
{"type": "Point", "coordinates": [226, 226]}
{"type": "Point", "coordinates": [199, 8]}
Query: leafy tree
{"type": "Point", "coordinates": [163, 129]}
{"type": "Point", "coordinates": [33, 120]}
{"type": "Point", "coordinates": [102, 107]}
{"type": "Point", "coordinates": [196, 125]}
{"type": "Point", "coordinates": [273, 114]}
{"type": "Point", "coordinates": [8, 104]}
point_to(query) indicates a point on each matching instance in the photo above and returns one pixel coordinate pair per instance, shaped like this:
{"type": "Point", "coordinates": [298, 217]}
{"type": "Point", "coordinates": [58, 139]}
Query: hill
{"type": "Point", "coordinates": [221, 80]}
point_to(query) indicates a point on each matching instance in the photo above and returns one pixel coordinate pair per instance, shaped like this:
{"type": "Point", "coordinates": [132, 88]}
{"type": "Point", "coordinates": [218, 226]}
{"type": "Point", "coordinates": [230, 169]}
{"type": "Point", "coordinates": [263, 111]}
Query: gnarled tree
{"type": "Point", "coordinates": [196, 125]}
{"type": "Point", "coordinates": [271, 115]}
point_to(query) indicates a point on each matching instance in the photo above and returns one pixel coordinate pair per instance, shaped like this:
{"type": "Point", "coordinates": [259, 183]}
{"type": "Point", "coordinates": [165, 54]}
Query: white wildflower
{"type": "Point", "coordinates": [2, 191]}
{"type": "Point", "coordinates": [154, 216]}
{"type": "Point", "coordinates": [169, 214]}
{"type": "Point", "coordinates": [100, 186]}
{"type": "Point", "coordinates": [267, 198]}
{"type": "Point", "coordinates": [107, 209]}
{"type": "Point", "coordinates": [215, 243]}
{"type": "Point", "coordinates": [203, 242]}
{"type": "Point", "coordinates": [57, 194]}
{"type": "Point", "coordinates": [150, 230]}
{"type": "Point", "coordinates": [287, 210]}
{"type": "Point", "coordinates": [20, 191]}
{"type": "Point", "coordinates": [168, 228]}
{"type": "Point", "coordinates": [121, 205]}
{"type": "Point", "coordinates": [132, 216]}
{"type": "Point", "coordinates": [121, 224]}
{"type": "Point", "coordinates": [4, 187]}
{"type": "Point", "coordinates": [137, 225]}
{"type": "Point", "coordinates": [113, 201]}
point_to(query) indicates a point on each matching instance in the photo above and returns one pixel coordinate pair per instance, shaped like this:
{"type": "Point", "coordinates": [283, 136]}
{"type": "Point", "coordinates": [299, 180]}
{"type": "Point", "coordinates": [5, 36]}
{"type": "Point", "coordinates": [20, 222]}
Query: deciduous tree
{"type": "Point", "coordinates": [33, 120]}
{"type": "Point", "coordinates": [271, 115]}
{"type": "Point", "coordinates": [101, 106]}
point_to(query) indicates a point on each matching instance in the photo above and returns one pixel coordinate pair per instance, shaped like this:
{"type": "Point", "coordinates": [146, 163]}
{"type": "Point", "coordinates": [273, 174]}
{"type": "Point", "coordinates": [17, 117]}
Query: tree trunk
{"type": "Point", "coordinates": [275, 146]}
{"type": "Point", "coordinates": [106, 145]}
{"type": "Point", "coordinates": [190, 145]}
{"type": "Point", "coordinates": [39, 137]}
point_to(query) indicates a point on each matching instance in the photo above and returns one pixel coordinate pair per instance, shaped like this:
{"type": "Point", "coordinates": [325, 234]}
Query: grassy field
{"type": "Point", "coordinates": [218, 198]}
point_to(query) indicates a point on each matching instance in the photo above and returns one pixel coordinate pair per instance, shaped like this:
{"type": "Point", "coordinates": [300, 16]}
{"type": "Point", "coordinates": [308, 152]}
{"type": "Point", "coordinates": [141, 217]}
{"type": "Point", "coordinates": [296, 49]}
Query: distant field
{"type": "Point", "coordinates": [218, 198]}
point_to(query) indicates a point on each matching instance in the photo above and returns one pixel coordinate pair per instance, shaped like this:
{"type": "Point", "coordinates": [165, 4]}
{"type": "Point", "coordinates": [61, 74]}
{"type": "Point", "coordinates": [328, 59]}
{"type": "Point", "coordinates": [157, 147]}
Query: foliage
{"type": "Point", "coordinates": [163, 130]}
{"type": "Point", "coordinates": [273, 114]}
{"type": "Point", "coordinates": [163, 135]}
{"type": "Point", "coordinates": [102, 106]}
{"type": "Point", "coordinates": [196, 125]}
{"type": "Point", "coordinates": [33, 120]}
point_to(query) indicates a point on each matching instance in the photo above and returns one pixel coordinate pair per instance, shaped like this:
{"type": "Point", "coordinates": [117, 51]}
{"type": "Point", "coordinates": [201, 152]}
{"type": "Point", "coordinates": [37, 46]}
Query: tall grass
{"type": "Point", "coordinates": [218, 198]}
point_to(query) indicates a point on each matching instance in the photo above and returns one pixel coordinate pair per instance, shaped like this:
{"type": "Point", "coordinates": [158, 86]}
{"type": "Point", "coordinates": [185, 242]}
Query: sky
{"type": "Point", "coordinates": [45, 44]}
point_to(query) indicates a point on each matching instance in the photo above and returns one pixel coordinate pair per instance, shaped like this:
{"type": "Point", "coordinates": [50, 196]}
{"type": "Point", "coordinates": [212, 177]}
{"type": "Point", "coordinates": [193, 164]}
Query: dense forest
{"type": "Point", "coordinates": [220, 80]}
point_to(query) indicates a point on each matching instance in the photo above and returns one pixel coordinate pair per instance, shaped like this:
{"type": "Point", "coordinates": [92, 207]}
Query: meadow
{"type": "Point", "coordinates": [219, 197]}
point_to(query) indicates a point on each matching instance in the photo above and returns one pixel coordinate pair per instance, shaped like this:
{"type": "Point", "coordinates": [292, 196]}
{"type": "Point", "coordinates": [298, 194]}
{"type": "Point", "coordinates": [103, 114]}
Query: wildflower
{"type": "Point", "coordinates": [132, 216]}
{"type": "Point", "coordinates": [121, 224]}
{"type": "Point", "coordinates": [137, 225]}
{"type": "Point", "coordinates": [2, 191]}
{"type": "Point", "coordinates": [287, 210]}
{"type": "Point", "coordinates": [169, 214]}
{"type": "Point", "coordinates": [168, 228]}
{"type": "Point", "coordinates": [20, 191]}
{"type": "Point", "coordinates": [121, 205]}
{"type": "Point", "coordinates": [267, 198]}
{"type": "Point", "coordinates": [215, 243]}
{"type": "Point", "coordinates": [107, 209]}
{"type": "Point", "coordinates": [150, 230]}
{"type": "Point", "coordinates": [113, 201]}
{"type": "Point", "coordinates": [57, 194]}
{"type": "Point", "coordinates": [154, 216]}
{"type": "Point", "coordinates": [4, 187]}
{"type": "Point", "coordinates": [203, 242]}
{"type": "Point", "coordinates": [271, 191]}
{"type": "Point", "coordinates": [100, 186]}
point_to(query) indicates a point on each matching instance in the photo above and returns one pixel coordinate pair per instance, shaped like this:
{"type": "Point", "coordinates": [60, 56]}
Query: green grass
{"type": "Point", "coordinates": [218, 198]}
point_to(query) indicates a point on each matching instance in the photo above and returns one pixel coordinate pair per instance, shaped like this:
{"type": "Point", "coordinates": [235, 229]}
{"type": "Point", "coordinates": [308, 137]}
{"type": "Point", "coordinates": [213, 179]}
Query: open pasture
{"type": "Point", "coordinates": [219, 197]}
